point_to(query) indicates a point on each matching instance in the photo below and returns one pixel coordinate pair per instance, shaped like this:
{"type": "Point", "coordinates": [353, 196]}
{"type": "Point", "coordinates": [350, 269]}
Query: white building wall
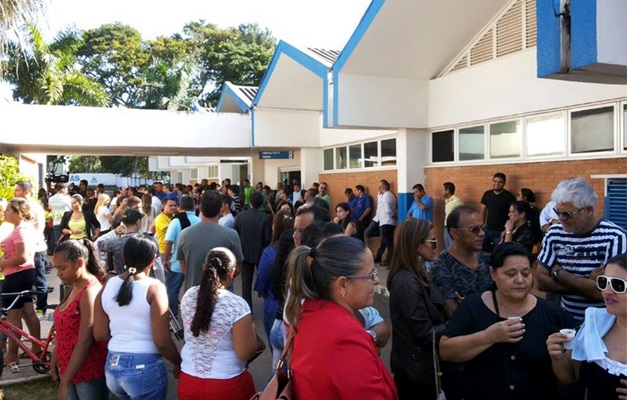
{"type": "Point", "coordinates": [382, 102]}
{"type": "Point", "coordinates": [504, 87]}
{"type": "Point", "coordinates": [271, 168]}
{"type": "Point", "coordinates": [279, 128]}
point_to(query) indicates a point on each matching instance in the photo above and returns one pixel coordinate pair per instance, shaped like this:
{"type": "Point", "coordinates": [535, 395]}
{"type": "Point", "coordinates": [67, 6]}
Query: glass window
{"type": "Point", "coordinates": [625, 127]}
{"type": "Point", "coordinates": [505, 139]}
{"type": "Point", "coordinates": [545, 135]}
{"type": "Point", "coordinates": [340, 158]}
{"type": "Point", "coordinates": [328, 159]}
{"type": "Point", "coordinates": [354, 154]}
{"type": "Point", "coordinates": [592, 130]}
{"type": "Point", "coordinates": [371, 154]}
{"type": "Point", "coordinates": [388, 152]}
{"type": "Point", "coordinates": [442, 146]}
{"type": "Point", "coordinates": [471, 143]}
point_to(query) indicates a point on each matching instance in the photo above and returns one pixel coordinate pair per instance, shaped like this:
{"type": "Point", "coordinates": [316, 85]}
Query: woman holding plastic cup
{"type": "Point", "coordinates": [499, 334]}
{"type": "Point", "coordinates": [598, 359]}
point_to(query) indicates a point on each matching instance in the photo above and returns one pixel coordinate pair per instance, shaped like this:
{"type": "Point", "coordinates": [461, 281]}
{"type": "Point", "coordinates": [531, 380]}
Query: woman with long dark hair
{"type": "Point", "coordinates": [80, 359]}
{"type": "Point", "coordinates": [416, 310]}
{"type": "Point", "coordinates": [344, 219]}
{"type": "Point", "coordinates": [517, 227]}
{"type": "Point", "coordinates": [219, 335]}
{"type": "Point", "coordinates": [132, 314]}
{"type": "Point", "coordinates": [79, 223]}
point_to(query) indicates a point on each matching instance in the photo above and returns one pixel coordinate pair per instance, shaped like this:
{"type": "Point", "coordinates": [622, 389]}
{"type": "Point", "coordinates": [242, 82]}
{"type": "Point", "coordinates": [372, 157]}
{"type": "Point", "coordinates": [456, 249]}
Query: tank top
{"type": "Point", "coordinates": [67, 323]}
{"type": "Point", "coordinates": [130, 325]}
{"type": "Point", "coordinates": [78, 225]}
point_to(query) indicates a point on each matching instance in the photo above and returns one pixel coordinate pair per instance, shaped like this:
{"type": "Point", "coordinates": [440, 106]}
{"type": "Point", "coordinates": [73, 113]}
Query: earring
{"type": "Point", "coordinates": [419, 258]}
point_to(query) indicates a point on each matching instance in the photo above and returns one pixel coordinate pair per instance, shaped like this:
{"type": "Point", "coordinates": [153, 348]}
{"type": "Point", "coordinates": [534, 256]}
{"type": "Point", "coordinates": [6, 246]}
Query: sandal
{"type": "Point", "coordinates": [14, 367]}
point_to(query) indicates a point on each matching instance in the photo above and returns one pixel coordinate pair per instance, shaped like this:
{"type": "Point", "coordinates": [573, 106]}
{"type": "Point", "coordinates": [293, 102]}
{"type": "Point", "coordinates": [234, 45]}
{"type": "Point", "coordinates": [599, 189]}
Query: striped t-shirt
{"type": "Point", "coordinates": [580, 255]}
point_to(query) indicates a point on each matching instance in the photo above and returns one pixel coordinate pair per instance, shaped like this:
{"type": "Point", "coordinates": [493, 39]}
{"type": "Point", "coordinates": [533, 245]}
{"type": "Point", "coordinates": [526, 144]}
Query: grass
{"type": "Point", "coordinates": [40, 389]}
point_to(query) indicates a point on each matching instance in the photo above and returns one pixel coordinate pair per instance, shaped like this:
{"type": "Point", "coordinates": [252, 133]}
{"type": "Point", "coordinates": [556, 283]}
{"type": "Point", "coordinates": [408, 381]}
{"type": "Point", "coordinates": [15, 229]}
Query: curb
{"type": "Point", "coordinates": [9, 382]}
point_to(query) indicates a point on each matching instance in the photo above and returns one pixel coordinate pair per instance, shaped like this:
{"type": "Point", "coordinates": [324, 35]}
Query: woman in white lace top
{"type": "Point", "coordinates": [219, 335]}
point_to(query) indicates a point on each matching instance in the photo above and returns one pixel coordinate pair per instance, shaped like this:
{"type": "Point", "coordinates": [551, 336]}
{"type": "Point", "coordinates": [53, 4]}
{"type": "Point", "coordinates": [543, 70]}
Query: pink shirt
{"type": "Point", "coordinates": [26, 234]}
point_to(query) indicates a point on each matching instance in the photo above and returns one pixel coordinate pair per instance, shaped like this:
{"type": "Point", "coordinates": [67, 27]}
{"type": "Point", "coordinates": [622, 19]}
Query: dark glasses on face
{"type": "Point", "coordinates": [618, 285]}
{"type": "Point", "coordinates": [474, 229]}
{"type": "Point", "coordinates": [566, 214]}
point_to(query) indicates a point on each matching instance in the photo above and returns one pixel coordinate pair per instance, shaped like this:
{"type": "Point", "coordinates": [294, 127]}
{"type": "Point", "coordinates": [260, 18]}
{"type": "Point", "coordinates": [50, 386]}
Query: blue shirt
{"type": "Point", "coordinates": [361, 205]}
{"type": "Point", "coordinates": [418, 213]}
{"type": "Point", "coordinates": [352, 203]}
{"type": "Point", "coordinates": [172, 235]}
{"type": "Point", "coordinates": [262, 285]}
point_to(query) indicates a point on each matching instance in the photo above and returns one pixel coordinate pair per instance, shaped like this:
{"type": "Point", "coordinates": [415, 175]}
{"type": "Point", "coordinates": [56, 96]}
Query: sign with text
{"type": "Point", "coordinates": [276, 155]}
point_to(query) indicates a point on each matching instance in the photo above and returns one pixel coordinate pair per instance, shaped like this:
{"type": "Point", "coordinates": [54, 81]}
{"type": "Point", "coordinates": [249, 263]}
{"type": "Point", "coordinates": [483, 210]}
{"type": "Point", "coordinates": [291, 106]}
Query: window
{"type": "Point", "coordinates": [354, 154]}
{"type": "Point", "coordinates": [545, 135]}
{"type": "Point", "coordinates": [471, 143]}
{"type": "Point", "coordinates": [505, 139]}
{"type": "Point", "coordinates": [388, 152]}
{"type": "Point", "coordinates": [371, 154]}
{"type": "Point", "coordinates": [592, 130]}
{"type": "Point", "coordinates": [340, 158]}
{"type": "Point", "coordinates": [328, 159]}
{"type": "Point", "coordinates": [442, 146]}
{"type": "Point", "coordinates": [625, 127]}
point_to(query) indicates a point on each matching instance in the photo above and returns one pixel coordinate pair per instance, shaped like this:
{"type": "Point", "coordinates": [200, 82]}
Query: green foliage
{"type": "Point", "coordinates": [10, 175]}
{"type": "Point", "coordinates": [15, 16]}
{"type": "Point", "coordinates": [126, 166]}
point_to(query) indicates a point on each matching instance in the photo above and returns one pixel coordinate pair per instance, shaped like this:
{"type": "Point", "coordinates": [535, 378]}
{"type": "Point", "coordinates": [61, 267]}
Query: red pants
{"type": "Point", "coordinates": [240, 387]}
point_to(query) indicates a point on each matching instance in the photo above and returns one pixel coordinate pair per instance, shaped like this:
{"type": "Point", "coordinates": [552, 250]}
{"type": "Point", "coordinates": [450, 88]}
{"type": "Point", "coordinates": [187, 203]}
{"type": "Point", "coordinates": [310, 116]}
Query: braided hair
{"type": "Point", "coordinates": [219, 262]}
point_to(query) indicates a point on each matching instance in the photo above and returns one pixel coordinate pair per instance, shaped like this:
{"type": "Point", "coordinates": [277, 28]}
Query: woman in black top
{"type": "Point", "coordinates": [517, 227]}
{"type": "Point", "coordinates": [500, 334]}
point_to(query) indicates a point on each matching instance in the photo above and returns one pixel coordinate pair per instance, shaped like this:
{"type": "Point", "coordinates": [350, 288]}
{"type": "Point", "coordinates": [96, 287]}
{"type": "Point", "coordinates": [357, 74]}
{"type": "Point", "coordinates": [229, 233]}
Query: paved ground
{"type": "Point", "coordinates": [260, 368]}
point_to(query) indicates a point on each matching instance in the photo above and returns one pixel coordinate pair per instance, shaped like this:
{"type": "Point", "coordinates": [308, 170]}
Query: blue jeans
{"type": "Point", "coordinates": [173, 283]}
{"type": "Point", "coordinates": [40, 280]}
{"type": "Point", "coordinates": [448, 240]}
{"type": "Point", "coordinates": [136, 376]}
{"type": "Point", "coordinates": [490, 240]}
{"type": "Point", "coordinates": [91, 390]}
{"type": "Point", "coordinates": [277, 341]}
{"type": "Point", "coordinates": [268, 321]}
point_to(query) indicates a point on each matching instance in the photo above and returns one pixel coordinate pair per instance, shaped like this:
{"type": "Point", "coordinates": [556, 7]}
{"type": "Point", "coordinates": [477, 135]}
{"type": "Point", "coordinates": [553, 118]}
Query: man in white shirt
{"type": "Point", "coordinates": [384, 222]}
{"type": "Point", "coordinates": [226, 216]}
{"type": "Point", "coordinates": [59, 203]}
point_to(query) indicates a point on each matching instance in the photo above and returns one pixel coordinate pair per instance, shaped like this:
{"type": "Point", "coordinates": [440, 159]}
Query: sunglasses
{"type": "Point", "coordinates": [434, 242]}
{"type": "Point", "coordinates": [372, 275]}
{"type": "Point", "coordinates": [566, 214]}
{"type": "Point", "coordinates": [474, 229]}
{"type": "Point", "coordinates": [618, 285]}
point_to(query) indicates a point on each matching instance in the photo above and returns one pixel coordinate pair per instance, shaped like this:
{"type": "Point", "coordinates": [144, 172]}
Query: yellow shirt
{"type": "Point", "coordinates": [161, 225]}
{"type": "Point", "coordinates": [450, 204]}
{"type": "Point", "coordinates": [78, 225]}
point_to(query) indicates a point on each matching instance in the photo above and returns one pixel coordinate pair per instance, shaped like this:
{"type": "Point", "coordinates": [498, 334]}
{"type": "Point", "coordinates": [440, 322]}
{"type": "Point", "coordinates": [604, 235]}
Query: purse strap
{"type": "Point", "coordinates": [436, 366]}
{"type": "Point", "coordinates": [286, 356]}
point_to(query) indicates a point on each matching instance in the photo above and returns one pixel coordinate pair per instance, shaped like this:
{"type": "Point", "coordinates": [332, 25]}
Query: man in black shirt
{"type": "Point", "coordinates": [494, 210]}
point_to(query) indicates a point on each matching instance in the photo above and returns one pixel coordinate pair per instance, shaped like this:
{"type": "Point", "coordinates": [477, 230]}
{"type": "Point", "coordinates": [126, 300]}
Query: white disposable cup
{"type": "Point", "coordinates": [570, 333]}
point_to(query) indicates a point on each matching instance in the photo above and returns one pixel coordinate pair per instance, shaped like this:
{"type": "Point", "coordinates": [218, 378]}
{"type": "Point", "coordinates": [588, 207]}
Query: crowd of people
{"type": "Point", "coordinates": [482, 319]}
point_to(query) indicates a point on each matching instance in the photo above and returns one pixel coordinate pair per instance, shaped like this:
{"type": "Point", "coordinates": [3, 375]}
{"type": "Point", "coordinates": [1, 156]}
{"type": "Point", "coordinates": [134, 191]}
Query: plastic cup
{"type": "Point", "coordinates": [570, 333]}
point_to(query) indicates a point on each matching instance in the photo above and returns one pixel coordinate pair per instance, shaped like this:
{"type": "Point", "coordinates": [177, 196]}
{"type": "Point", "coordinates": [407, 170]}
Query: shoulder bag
{"type": "Point", "coordinates": [436, 368]}
{"type": "Point", "coordinates": [280, 386]}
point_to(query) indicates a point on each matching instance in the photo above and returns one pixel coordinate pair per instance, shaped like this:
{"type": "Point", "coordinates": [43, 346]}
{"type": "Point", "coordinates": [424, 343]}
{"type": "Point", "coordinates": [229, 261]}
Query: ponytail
{"type": "Point", "coordinates": [300, 282]}
{"type": "Point", "coordinates": [139, 253]}
{"type": "Point", "coordinates": [86, 250]}
{"type": "Point", "coordinates": [218, 263]}
{"type": "Point", "coordinates": [93, 264]}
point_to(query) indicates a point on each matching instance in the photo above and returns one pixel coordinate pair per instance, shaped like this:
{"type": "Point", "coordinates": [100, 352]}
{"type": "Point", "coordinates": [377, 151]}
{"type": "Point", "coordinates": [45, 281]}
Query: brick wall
{"type": "Point", "coordinates": [370, 180]}
{"type": "Point", "coordinates": [541, 177]}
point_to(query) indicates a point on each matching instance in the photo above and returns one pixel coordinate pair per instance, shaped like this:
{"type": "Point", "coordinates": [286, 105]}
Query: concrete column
{"type": "Point", "coordinates": [203, 172]}
{"type": "Point", "coordinates": [256, 171]}
{"type": "Point", "coordinates": [310, 166]}
{"type": "Point", "coordinates": [412, 153]}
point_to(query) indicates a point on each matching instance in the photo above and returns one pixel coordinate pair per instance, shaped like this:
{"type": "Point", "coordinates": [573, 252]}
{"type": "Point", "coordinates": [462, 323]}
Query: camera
{"type": "Point", "coordinates": [58, 178]}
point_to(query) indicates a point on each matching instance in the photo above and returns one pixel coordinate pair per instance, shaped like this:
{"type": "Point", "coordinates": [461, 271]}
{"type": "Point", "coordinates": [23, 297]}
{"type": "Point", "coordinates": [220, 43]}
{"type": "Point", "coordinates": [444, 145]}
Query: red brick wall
{"type": "Point", "coordinates": [541, 177]}
{"type": "Point", "coordinates": [370, 180]}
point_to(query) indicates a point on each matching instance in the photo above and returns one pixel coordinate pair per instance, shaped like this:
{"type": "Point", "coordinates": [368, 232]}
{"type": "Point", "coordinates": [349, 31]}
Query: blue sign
{"type": "Point", "coordinates": [276, 155]}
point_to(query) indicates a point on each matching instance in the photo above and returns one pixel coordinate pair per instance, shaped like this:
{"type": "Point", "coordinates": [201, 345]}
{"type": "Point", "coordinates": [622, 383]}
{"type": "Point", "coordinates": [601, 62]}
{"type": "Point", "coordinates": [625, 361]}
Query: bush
{"type": "Point", "coordinates": [10, 175]}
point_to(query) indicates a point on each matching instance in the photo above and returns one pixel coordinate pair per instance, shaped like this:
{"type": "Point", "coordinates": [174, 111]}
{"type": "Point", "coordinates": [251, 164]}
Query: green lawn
{"type": "Point", "coordinates": [40, 389]}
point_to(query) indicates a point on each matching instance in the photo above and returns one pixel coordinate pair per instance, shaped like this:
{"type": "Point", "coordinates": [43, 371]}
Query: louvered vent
{"type": "Point", "coordinates": [463, 63]}
{"type": "Point", "coordinates": [530, 23]}
{"type": "Point", "coordinates": [482, 51]}
{"type": "Point", "coordinates": [509, 31]}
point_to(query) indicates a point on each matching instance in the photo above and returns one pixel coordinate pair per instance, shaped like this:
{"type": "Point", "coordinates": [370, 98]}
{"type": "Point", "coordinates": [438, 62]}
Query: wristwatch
{"type": "Point", "coordinates": [555, 273]}
{"type": "Point", "coordinates": [374, 336]}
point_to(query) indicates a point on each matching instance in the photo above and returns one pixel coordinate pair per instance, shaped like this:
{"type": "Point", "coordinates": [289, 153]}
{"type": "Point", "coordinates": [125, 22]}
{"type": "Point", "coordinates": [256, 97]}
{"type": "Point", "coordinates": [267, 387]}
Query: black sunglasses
{"type": "Point", "coordinates": [618, 285]}
{"type": "Point", "coordinates": [567, 214]}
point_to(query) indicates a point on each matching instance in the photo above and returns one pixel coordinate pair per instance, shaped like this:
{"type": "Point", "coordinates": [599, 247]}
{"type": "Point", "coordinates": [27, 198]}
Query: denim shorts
{"type": "Point", "coordinates": [136, 376]}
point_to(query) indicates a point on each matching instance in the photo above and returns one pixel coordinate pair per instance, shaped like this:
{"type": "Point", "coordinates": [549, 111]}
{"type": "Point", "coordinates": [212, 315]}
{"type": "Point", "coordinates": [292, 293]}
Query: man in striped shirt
{"type": "Point", "coordinates": [575, 251]}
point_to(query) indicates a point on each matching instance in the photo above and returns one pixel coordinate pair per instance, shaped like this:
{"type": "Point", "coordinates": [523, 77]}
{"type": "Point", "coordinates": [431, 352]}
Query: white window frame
{"type": "Point", "coordinates": [622, 128]}
{"type": "Point", "coordinates": [362, 168]}
{"type": "Point", "coordinates": [593, 154]}
{"type": "Point", "coordinates": [489, 137]}
{"type": "Point", "coordinates": [526, 155]}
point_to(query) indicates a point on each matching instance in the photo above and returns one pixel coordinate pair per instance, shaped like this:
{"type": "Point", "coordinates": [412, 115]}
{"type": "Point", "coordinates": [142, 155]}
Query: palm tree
{"type": "Point", "coordinates": [51, 74]}
{"type": "Point", "coordinates": [15, 15]}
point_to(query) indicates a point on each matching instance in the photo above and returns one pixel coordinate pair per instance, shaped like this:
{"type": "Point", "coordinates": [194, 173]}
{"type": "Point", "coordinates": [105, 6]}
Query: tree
{"type": "Point", "coordinates": [15, 15]}
{"type": "Point", "coordinates": [10, 175]}
{"type": "Point", "coordinates": [50, 74]}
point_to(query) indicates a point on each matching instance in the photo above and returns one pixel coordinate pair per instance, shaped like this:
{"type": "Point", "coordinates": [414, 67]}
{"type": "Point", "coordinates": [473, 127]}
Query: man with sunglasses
{"type": "Point", "coordinates": [462, 269]}
{"type": "Point", "coordinates": [575, 250]}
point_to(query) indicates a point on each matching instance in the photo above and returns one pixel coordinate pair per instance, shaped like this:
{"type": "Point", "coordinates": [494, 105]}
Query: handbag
{"type": "Point", "coordinates": [436, 367]}
{"type": "Point", "coordinates": [280, 386]}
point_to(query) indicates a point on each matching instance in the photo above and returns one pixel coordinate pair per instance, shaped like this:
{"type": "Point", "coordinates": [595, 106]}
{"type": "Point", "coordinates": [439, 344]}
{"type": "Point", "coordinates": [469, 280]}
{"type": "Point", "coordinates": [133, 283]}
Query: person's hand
{"type": "Point", "coordinates": [596, 272]}
{"type": "Point", "coordinates": [622, 391]}
{"type": "Point", "coordinates": [54, 373]}
{"type": "Point", "coordinates": [509, 226]}
{"type": "Point", "coordinates": [176, 371]}
{"type": "Point", "coordinates": [555, 345]}
{"type": "Point", "coordinates": [458, 298]}
{"type": "Point", "coordinates": [508, 331]}
{"type": "Point", "coordinates": [120, 230]}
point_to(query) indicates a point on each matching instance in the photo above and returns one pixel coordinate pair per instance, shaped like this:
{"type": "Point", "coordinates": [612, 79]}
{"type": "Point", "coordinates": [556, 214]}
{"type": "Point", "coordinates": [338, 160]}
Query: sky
{"type": "Point", "coordinates": [313, 23]}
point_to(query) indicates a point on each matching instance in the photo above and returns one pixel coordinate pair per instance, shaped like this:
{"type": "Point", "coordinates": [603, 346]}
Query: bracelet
{"type": "Point", "coordinates": [508, 232]}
